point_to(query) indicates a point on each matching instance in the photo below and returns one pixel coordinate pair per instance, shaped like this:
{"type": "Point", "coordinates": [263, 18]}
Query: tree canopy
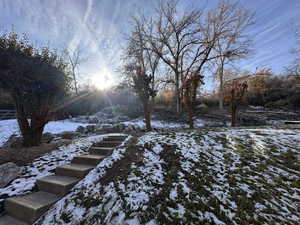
{"type": "Point", "coordinates": [36, 79]}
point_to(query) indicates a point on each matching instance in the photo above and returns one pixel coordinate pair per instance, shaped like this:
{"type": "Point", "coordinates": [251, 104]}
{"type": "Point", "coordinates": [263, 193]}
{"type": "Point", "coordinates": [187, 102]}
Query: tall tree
{"type": "Point", "coordinates": [75, 58]}
{"type": "Point", "coordinates": [236, 44]}
{"type": "Point", "coordinates": [141, 82]}
{"type": "Point", "coordinates": [189, 87]}
{"type": "Point", "coordinates": [171, 37]}
{"type": "Point", "coordinates": [235, 91]}
{"type": "Point", "coordinates": [36, 79]}
{"type": "Point", "coordinates": [186, 41]}
{"type": "Point", "coordinates": [140, 67]}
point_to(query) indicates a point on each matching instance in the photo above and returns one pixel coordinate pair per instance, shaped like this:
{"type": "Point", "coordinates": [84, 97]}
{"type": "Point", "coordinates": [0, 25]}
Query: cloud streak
{"type": "Point", "coordinates": [101, 25]}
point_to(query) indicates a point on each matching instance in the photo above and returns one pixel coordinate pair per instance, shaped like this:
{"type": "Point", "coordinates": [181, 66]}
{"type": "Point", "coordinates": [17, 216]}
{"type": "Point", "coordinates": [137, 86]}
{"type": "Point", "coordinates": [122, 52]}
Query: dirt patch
{"type": "Point", "coordinates": [122, 168]}
{"type": "Point", "coordinates": [23, 156]}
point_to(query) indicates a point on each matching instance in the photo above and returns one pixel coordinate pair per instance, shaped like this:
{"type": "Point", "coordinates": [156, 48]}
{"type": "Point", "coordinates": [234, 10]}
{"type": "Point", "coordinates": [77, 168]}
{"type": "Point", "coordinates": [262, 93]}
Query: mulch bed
{"type": "Point", "coordinates": [24, 156]}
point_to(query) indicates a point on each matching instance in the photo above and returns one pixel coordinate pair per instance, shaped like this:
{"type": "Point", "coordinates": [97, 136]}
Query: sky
{"type": "Point", "coordinates": [99, 27]}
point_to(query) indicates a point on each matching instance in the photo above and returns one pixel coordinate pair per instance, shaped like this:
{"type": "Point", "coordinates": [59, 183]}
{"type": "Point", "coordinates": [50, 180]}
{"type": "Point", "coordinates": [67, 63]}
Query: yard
{"type": "Point", "coordinates": [207, 176]}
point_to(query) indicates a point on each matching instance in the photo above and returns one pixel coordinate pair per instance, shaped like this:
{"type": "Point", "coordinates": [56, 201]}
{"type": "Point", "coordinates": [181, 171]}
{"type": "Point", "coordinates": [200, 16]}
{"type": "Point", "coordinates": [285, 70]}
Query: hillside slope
{"type": "Point", "coordinates": [220, 176]}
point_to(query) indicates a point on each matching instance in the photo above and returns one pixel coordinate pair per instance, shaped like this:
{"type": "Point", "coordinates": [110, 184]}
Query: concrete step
{"type": "Point", "coordinates": [109, 144]}
{"type": "Point", "coordinates": [30, 207]}
{"type": "Point", "coordinates": [88, 159]}
{"type": "Point", "coordinates": [115, 138]}
{"type": "Point", "coordinates": [8, 220]}
{"type": "Point", "coordinates": [74, 170]}
{"type": "Point", "coordinates": [101, 150]}
{"type": "Point", "coordinates": [292, 122]}
{"type": "Point", "coordinates": [54, 184]}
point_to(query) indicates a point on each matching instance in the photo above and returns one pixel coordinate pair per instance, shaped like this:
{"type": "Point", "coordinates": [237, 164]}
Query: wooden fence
{"type": "Point", "coordinates": [6, 114]}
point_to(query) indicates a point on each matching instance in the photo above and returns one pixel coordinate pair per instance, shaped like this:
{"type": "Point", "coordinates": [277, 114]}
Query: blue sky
{"type": "Point", "coordinates": [101, 25]}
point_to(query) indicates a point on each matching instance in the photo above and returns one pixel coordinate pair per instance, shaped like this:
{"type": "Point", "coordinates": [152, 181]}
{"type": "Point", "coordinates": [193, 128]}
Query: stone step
{"type": "Point", "coordinates": [8, 220]}
{"type": "Point", "coordinates": [30, 207]}
{"type": "Point", "coordinates": [109, 144]}
{"type": "Point", "coordinates": [292, 122]}
{"type": "Point", "coordinates": [115, 138]}
{"type": "Point", "coordinates": [88, 159]}
{"type": "Point", "coordinates": [101, 150]}
{"type": "Point", "coordinates": [74, 170]}
{"type": "Point", "coordinates": [54, 184]}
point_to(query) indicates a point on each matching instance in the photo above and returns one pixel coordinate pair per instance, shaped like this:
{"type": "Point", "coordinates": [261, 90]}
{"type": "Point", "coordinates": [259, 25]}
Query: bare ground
{"type": "Point", "coordinates": [23, 156]}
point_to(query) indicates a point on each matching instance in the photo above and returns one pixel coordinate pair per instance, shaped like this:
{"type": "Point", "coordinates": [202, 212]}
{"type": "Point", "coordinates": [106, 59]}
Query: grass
{"type": "Point", "coordinates": [223, 176]}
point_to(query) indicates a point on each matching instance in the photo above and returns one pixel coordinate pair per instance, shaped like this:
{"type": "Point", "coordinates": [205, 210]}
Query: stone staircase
{"type": "Point", "coordinates": [25, 210]}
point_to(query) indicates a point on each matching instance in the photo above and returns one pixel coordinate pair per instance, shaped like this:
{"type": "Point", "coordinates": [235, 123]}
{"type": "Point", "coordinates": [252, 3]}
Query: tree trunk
{"type": "Point", "coordinates": [221, 91]}
{"type": "Point", "coordinates": [75, 81]}
{"type": "Point", "coordinates": [233, 114]}
{"type": "Point", "coordinates": [194, 95]}
{"type": "Point", "coordinates": [177, 93]}
{"type": "Point", "coordinates": [31, 132]}
{"type": "Point", "coordinates": [190, 116]}
{"type": "Point", "coordinates": [147, 115]}
{"type": "Point", "coordinates": [32, 137]}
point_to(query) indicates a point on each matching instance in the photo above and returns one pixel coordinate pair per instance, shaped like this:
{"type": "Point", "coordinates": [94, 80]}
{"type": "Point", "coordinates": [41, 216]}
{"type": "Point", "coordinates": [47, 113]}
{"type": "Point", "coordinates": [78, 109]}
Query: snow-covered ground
{"type": "Point", "coordinates": [223, 176]}
{"type": "Point", "coordinates": [162, 125]}
{"type": "Point", "coordinates": [156, 124]}
{"type": "Point", "coordinates": [9, 127]}
{"type": "Point", "coordinates": [45, 165]}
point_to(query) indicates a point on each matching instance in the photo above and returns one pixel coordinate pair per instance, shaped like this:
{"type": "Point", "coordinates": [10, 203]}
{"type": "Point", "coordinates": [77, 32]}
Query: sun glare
{"type": "Point", "coordinates": [102, 81]}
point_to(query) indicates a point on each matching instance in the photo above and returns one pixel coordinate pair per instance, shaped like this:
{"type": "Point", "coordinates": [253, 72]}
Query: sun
{"type": "Point", "coordinates": [102, 81]}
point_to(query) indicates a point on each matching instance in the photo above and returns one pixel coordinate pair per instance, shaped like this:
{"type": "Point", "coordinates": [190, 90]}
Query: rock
{"type": "Point", "coordinates": [93, 119]}
{"type": "Point", "coordinates": [69, 135]}
{"type": "Point", "coordinates": [121, 127]}
{"type": "Point", "coordinates": [106, 126]}
{"type": "Point", "coordinates": [13, 141]}
{"type": "Point", "coordinates": [8, 172]}
{"type": "Point", "coordinates": [47, 137]}
{"type": "Point", "coordinates": [80, 129]}
{"type": "Point", "coordinates": [90, 128]}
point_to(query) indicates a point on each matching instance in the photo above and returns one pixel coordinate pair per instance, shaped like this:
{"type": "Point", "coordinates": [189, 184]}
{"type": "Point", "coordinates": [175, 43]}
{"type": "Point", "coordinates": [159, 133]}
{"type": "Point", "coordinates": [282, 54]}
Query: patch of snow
{"type": "Point", "coordinates": [45, 165]}
{"type": "Point", "coordinates": [10, 127]}
{"type": "Point", "coordinates": [90, 186]}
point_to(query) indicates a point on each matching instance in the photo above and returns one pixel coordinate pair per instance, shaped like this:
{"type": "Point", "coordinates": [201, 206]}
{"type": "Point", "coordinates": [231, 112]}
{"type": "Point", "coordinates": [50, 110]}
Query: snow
{"type": "Point", "coordinates": [221, 176]}
{"type": "Point", "coordinates": [91, 186]}
{"type": "Point", "coordinates": [10, 127]}
{"type": "Point", "coordinates": [156, 124]}
{"type": "Point", "coordinates": [45, 165]}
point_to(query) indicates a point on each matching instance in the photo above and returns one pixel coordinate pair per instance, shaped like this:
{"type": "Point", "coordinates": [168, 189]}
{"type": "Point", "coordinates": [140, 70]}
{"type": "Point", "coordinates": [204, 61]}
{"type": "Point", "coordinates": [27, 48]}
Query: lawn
{"type": "Point", "coordinates": [213, 176]}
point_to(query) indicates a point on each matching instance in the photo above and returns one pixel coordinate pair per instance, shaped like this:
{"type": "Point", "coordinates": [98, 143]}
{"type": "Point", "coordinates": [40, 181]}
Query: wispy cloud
{"type": "Point", "coordinates": [101, 24]}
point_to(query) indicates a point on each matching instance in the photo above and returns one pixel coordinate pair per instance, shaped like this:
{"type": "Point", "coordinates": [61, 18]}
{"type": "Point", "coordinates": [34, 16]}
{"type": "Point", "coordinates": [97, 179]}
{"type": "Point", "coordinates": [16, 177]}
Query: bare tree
{"type": "Point", "coordinates": [235, 91]}
{"type": "Point", "coordinates": [76, 57]}
{"type": "Point", "coordinates": [140, 67]}
{"type": "Point", "coordinates": [236, 44]}
{"type": "Point", "coordinates": [186, 41]}
{"type": "Point", "coordinates": [294, 69]}
{"type": "Point", "coordinates": [189, 87]}
{"type": "Point", "coordinates": [171, 37]}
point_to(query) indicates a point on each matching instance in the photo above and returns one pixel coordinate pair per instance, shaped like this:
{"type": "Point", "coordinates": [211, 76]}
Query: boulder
{"type": "Point", "coordinates": [8, 172]}
{"type": "Point", "coordinates": [69, 135]}
{"type": "Point", "coordinates": [90, 128]}
{"type": "Point", "coordinates": [93, 119]}
{"type": "Point", "coordinates": [80, 129]}
{"type": "Point", "coordinates": [106, 126]}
